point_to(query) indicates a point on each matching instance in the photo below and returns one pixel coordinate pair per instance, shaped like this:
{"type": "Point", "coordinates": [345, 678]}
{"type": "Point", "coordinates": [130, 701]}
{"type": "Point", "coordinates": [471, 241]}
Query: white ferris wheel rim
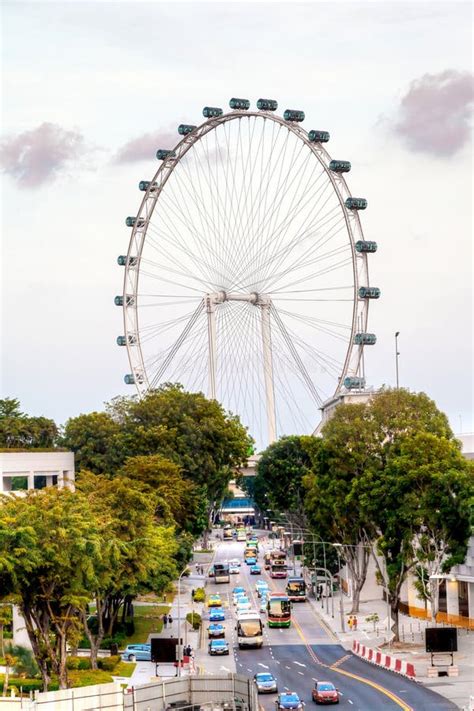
{"type": "Point", "coordinates": [353, 358]}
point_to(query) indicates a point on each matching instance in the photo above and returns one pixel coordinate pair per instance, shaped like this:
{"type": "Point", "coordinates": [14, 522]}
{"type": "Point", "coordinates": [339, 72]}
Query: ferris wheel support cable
{"type": "Point", "coordinates": [178, 344]}
{"type": "Point", "coordinates": [296, 356]}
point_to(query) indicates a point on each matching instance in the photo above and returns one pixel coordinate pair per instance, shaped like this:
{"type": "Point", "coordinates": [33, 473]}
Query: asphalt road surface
{"type": "Point", "coordinates": [308, 651]}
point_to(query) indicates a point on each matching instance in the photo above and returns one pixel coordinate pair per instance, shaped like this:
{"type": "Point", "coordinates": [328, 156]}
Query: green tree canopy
{"type": "Point", "coordinates": [18, 431]}
{"type": "Point", "coordinates": [95, 440]}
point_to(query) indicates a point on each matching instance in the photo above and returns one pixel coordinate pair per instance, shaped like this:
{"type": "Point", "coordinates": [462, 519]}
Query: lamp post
{"type": "Point", "coordinates": [397, 353]}
{"type": "Point", "coordinates": [180, 646]}
{"type": "Point", "coordinates": [338, 546]}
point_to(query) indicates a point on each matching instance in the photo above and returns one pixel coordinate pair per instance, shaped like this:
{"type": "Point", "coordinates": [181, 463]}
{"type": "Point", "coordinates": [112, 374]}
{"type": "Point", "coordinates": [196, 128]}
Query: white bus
{"type": "Point", "coordinates": [249, 629]}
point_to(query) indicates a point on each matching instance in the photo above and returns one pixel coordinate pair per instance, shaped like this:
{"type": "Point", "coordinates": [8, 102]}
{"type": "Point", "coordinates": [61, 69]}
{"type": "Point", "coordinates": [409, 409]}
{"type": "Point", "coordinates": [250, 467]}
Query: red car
{"type": "Point", "coordinates": [325, 692]}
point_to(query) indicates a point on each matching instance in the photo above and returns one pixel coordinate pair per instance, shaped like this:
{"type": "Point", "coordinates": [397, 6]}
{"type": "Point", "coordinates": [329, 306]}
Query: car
{"type": "Point", "coordinates": [218, 646]}
{"type": "Point", "coordinates": [137, 653]}
{"type": "Point", "coordinates": [261, 586]}
{"type": "Point", "coordinates": [235, 561]}
{"type": "Point", "coordinates": [251, 561]}
{"type": "Point", "coordinates": [325, 692]}
{"type": "Point", "coordinates": [255, 569]}
{"type": "Point", "coordinates": [216, 615]}
{"type": "Point", "coordinates": [289, 700]}
{"type": "Point", "coordinates": [214, 601]}
{"type": "Point", "coordinates": [263, 604]}
{"type": "Point", "coordinates": [216, 630]}
{"type": "Point", "coordinates": [265, 683]}
{"type": "Point", "coordinates": [234, 569]}
{"type": "Point", "coordinates": [238, 590]}
{"type": "Point", "coordinates": [240, 596]}
{"type": "Point", "coordinates": [243, 606]}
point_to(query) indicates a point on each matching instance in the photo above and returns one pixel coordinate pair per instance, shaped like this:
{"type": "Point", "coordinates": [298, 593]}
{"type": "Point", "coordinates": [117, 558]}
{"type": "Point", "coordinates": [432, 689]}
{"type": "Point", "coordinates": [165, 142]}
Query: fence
{"type": "Point", "coordinates": [233, 690]}
{"type": "Point", "coordinates": [106, 697]}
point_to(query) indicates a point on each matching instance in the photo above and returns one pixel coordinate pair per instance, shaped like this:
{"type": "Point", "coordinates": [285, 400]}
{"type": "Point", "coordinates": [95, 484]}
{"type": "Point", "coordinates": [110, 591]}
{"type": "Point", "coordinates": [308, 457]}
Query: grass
{"type": "Point", "coordinates": [147, 620]}
{"type": "Point", "coordinates": [124, 669]}
{"type": "Point", "coordinates": [89, 677]}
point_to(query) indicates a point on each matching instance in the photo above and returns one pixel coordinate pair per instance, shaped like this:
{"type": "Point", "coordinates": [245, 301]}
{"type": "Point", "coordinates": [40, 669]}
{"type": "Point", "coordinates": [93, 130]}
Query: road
{"type": "Point", "coordinates": [307, 651]}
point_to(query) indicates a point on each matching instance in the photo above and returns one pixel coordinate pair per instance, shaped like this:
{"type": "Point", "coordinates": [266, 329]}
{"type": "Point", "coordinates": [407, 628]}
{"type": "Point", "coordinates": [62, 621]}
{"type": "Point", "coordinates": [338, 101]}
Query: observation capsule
{"type": "Point", "coordinates": [129, 379]}
{"type": "Point", "coordinates": [365, 246]}
{"type": "Point", "coordinates": [318, 136]}
{"type": "Point", "coordinates": [164, 153]}
{"type": "Point", "coordinates": [365, 339]}
{"type": "Point", "coordinates": [354, 383]}
{"type": "Point", "coordinates": [293, 115]}
{"type": "Point", "coordinates": [123, 262]}
{"type": "Point", "coordinates": [132, 221]}
{"type": "Point", "coordinates": [239, 104]}
{"type": "Point", "coordinates": [369, 292]}
{"type": "Point", "coordinates": [267, 105]}
{"type": "Point", "coordinates": [340, 166]}
{"type": "Point", "coordinates": [121, 341]}
{"type": "Point", "coordinates": [118, 301]}
{"type": "Point", "coordinates": [184, 129]}
{"type": "Point", "coordinates": [211, 112]}
{"type": "Point", "coordinates": [353, 203]}
{"type": "Point", "coordinates": [143, 185]}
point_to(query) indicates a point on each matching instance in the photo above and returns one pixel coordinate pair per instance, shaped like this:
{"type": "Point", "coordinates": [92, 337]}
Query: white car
{"type": "Point", "coordinates": [239, 597]}
{"type": "Point", "coordinates": [234, 569]}
{"type": "Point", "coordinates": [243, 606]}
{"type": "Point", "coordinates": [263, 604]}
{"type": "Point", "coordinates": [235, 561]}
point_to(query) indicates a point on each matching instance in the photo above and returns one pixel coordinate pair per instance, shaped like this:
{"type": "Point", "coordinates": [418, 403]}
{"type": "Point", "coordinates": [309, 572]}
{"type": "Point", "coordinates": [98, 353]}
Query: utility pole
{"type": "Point", "coordinates": [397, 353]}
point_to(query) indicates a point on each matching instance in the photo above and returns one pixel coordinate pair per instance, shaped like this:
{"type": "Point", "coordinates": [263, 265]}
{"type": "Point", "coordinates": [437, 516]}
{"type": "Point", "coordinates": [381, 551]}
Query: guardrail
{"type": "Point", "coordinates": [375, 656]}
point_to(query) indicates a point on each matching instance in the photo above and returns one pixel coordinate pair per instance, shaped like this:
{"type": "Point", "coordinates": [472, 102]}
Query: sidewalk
{"type": "Point", "coordinates": [411, 648]}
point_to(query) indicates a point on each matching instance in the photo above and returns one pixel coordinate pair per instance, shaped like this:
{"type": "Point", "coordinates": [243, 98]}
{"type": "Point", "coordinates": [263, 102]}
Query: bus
{"type": "Point", "coordinates": [279, 610]}
{"type": "Point", "coordinates": [250, 553]}
{"type": "Point", "coordinates": [249, 629]}
{"type": "Point", "coordinates": [296, 589]}
{"type": "Point", "coordinates": [221, 573]}
{"type": "Point", "coordinates": [278, 569]}
{"type": "Point", "coordinates": [273, 555]}
{"type": "Point", "coordinates": [241, 535]}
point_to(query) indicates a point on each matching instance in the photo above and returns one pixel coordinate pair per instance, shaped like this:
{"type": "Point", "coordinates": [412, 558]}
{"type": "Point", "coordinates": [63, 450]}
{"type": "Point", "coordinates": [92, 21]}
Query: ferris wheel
{"type": "Point", "coordinates": [246, 275]}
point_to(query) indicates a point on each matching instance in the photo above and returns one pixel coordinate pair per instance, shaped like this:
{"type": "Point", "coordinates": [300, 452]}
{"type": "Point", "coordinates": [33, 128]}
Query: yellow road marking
{"type": "Point", "coordinates": [361, 679]}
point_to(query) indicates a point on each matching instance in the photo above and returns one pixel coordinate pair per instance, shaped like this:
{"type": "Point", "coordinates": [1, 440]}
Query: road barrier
{"type": "Point", "coordinates": [375, 656]}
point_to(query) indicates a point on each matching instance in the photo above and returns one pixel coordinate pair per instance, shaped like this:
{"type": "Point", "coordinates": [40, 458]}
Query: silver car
{"type": "Point", "coordinates": [265, 683]}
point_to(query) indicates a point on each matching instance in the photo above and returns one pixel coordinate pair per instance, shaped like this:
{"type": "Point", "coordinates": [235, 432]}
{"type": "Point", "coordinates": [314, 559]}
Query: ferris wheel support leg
{"type": "Point", "coordinates": [268, 371]}
{"type": "Point", "coordinates": [211, 333]}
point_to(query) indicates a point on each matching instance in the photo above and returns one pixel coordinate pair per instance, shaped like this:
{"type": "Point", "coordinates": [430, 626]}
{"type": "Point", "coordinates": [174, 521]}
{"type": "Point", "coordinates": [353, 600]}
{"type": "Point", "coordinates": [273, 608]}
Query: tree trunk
{"type": "Point", "coordinates": [357, 561]}
{"type": "Point", "coordinates": [2, 642]}
{"type": "Point", "coordinates": [5, 682]}
{"type": "Point", "coordinates": [61, 665]}
{"type": "Point", "coordinates": [356, 599]}
{"type": "Point", "coordinates": [434, 598]}
{"type": "Point", "coordinates": [394, 603]}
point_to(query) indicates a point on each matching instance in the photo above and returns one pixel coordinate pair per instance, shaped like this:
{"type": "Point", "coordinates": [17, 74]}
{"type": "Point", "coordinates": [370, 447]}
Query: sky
{"type": "Point", "coordinates": [90, 90]}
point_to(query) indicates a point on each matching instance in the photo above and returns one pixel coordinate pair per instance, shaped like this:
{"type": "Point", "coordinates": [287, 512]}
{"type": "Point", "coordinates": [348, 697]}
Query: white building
{"type": "Point", "coordinates": [30, 469]}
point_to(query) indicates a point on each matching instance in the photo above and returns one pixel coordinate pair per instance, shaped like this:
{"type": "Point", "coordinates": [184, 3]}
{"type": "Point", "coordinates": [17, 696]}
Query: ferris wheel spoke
{"type": "Point", "coordinates": [265, 261]}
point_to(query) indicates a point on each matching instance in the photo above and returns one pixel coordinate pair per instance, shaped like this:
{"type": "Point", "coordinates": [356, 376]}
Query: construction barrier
{"type": "Point", "coordinates": [400, 666]}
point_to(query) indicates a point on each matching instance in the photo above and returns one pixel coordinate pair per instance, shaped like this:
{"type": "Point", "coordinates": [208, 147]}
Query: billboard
{"type": "Point", "coordinates": [441, 639]}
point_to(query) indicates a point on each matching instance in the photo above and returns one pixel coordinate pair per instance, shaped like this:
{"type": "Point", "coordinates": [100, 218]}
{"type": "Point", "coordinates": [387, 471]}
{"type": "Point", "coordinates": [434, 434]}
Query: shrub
{"type": "Point", "coordinates": [25, 664]}
{"type": "Point", "coordinates": [199, 595]}
{"type": "Point", "coordinates": [108, 663]}
{"type": "Point", "coordinates": [82, 663]}
{"type": "Point", "coordinates": [72, 663]}
{"type": "Point", "coordinates": [194, 619]}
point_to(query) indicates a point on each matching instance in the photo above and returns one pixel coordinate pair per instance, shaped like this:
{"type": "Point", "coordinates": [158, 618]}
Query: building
{"type": "Point", "coordinates": [345, 397]}
{"type": "Point", "coordinates": [34, 469]}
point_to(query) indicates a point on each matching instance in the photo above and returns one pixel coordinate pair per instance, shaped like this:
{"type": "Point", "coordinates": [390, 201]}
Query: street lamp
{"type": "Point", "coordinates": [397, 353]}
{"type": "Point", "coordinates": [338, 547]}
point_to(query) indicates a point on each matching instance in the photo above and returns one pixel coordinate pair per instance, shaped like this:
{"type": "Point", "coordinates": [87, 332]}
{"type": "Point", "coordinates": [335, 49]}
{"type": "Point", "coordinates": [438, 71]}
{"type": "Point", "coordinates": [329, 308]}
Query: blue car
{"type": "Point", "coordinates": [289, 700]}
{"type": "Point", "coordinates": [137, 653]}
{"type": "Point", "coordinates": [238, 590]}
{"type": "Point", "coordinates": [255, 570]}
{"type": "Point", "coordinates": [251, 561]}
{"type": "Point", "coordinates": [218, 646]}
{"type": "Point", "coordinates": [216, 616]}
{"type": "Point", "coordinates": [216, 630]}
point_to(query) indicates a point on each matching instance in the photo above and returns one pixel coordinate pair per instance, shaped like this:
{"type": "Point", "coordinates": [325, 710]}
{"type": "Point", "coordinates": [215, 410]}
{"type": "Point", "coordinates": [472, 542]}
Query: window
{"type": "Point", "coordinates": [463, 598]}
{"type": "Point", "coordinates": [442, 602]}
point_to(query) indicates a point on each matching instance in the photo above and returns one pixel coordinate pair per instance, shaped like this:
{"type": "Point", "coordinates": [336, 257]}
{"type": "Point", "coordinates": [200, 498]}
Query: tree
{"type": "Point", "coordinates": [394, 489]}
{"type": "Point", "coordinates": [190, 430]}
{"type": "Point", "coordinates": [95, 440]}
{"type": "Point", "coordinates": [138, 554]}
{"type": "Point", "coordinates": [5, 619]}
{"type": "Point", "coordinates": [280, 472]}
{"type": "Point", "coordinates": [338, 459]}
{"type": "Point", "coordinates": [49, 545]}
{"type": "Point", "coordinates": [176, 497]}
{"type": "Point", "coordinates": [17, 431]}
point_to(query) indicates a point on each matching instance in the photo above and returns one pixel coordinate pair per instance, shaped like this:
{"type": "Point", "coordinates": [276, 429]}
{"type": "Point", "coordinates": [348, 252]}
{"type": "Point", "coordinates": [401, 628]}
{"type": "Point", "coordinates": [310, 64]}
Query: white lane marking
{"type": "Point", "coordinates": [249, 669]}
{"type": "Point", "coordinates": [299, 664]}
{"type": "Point", "coordinates": [263, 665]}
{"type": "Point", "coordinates": [287, 667]}
{"type": "Point", "coordinates": [314, 679]}
{"type": "Point", "coordinates": [280, 663]}
{"type": "Point", "coordinates": [351, 702]}
{"type": "Point", "coordinates": [240, 665]}
{"type": "Point", "coordinates": [225, 669]}
{"type": "Point", "coordinates": [302, 673]}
